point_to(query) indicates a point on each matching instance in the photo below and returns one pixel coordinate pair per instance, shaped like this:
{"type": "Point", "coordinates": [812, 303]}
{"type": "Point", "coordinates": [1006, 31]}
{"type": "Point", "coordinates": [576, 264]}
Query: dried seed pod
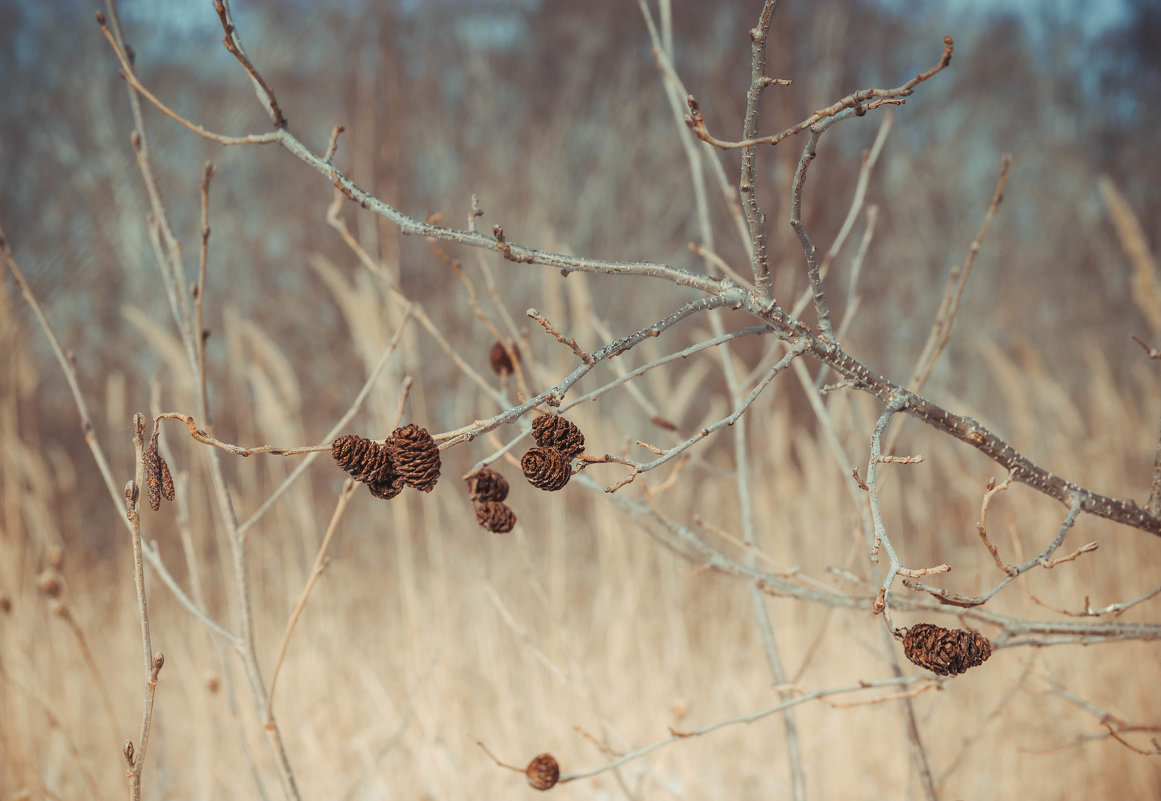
{"type": "Point", "coordinates": [365, 460]}
{"type": "Point", "coordinates": [945, 651]}
{"type": "Point", "coordinates": [553, 431]}
{"type": "Point", "coordinates": [495, 516]}
{"type": "Point", "coordinates": [152, 460]}
{"type": "Point", "coordinates": [501, 361]}
{"type": "Point", "coordinates": [487, 485]}
{"type": "Point", "coordinates": [543, 772]}
{"type": "Point", "coordinates": [167, 490]}
{"type": "Point", "coordinates": [415, 456]}
{"type": "Point", "coordinates": [546, 468]}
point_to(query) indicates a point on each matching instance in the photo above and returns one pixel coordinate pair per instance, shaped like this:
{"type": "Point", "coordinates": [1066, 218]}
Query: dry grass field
{"type": "Point", "coordinates": [590, 631]}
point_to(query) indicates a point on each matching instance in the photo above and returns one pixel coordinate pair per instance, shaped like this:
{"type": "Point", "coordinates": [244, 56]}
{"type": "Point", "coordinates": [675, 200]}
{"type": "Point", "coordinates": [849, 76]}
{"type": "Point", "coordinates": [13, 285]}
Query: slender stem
{"type": "Point", "coordinates": [320, 563]}
{"type": "Point", "coordinates": [200, 296]}
{"type": "Point", "coordinates": [821, 307]}
{"type": "Point", "coordinates": [747, 185]}
{"type": "Point", "coordinates": [911, 724]}
{"type": "Point", "coordinates": [898, 681]}
{"type": "Point", "coordinates": [153, 662]}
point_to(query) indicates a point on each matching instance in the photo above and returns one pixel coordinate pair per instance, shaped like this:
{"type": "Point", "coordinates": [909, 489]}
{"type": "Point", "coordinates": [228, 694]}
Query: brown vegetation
{"type": "Point", "coordinates": [717, 598]}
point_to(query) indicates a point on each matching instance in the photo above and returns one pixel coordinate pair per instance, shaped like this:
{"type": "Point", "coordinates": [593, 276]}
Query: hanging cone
{"type": "Point", "coordinates": [553, 431]}
{"type": "Point", "coordinates": [495, 517]}
{"type": "Point", "coordinates": [500, 361]}
{"type": "Point", "coordinates": [415, 456]}
{"type": "Point", "coordinates": [945, 651]}
{"type": "Point", "coordinates": [543, 772]}
{"type": "Point", "coordinates": [365, 460]}
{"type": "Point", "coordinates": [546, 468]}
{"type": "Point", "coordinates": [487, 485]}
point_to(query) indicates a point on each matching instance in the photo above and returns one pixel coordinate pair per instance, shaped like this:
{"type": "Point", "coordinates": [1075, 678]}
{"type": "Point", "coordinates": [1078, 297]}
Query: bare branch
{"type": "Point", "coordinates": [856, 104]}
{"type": "Point", "coordinates": [1044, 560]}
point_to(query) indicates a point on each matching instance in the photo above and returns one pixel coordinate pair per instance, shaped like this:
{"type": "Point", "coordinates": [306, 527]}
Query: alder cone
{"type": "Point", "coordinates": [546, 468]}
{"type": "Point", "coordinates": [365, 460]}
{"type": "Point", "coordinates": [487, 485]}
{"type": "Point", "coordinates": [553, 431]}
{"type": "Point", "coordinates": [500, 361]}
{"type": "Point", "coordinates": [495, 516]}
{"type": "Point", "coordinates": [945, 651]}
{"type": "Point", "coordinates": [543, 772]}
{"type": "Point", "coordinates": [415, 456]}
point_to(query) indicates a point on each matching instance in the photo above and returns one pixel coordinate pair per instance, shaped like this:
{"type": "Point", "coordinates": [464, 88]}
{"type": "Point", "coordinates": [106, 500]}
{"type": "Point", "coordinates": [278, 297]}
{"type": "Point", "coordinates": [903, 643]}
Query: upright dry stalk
{"type": "Point", "coordinates": [135, 756]}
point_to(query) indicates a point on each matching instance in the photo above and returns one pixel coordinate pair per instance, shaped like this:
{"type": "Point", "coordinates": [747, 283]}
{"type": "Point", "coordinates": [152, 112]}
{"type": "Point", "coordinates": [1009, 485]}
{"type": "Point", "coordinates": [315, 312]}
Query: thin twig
{"type": "Point", "coordinates": [941, 329]}
{"type": "Point", "coordinates": [990, 493]}
{"type": "Point", "coordinates": [320, 564]}
{"type": "Point", "coordinates": [1113, 609]}
{"type": "Point", "coordinates": [130, 76]}
{"type": "Point", "coordinates": [821, 306]}
{"type": "Point", "coordinates": [135, 757]}
{"type": "Point", "coordinates": [1044, 559]}
{"type": "Point", "coordinates": [861, 686]}
{"type": "Point", "coordinates": [199, 291]}
{"type": "Point", "coordinates": [747, 185]}
{"type": "Point", "coordinates": [568, 342]}
{"type": "Point", "coordinates": [857, 103]}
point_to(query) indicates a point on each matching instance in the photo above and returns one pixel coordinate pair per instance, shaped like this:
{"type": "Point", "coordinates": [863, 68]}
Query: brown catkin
{"type": "Point", "coordinates": [546, 468]}
{"type": "Point", "coordinates": [167, 490]}
{"type": "Point", "coordinates": [495, 516]}
{"type": "Point", "coordinates": [486, 484]}
{"type": "Point", "coordinates": [500, 360]}
{"type": "Point", "coordinates": [152, 460]}
{"type": "Point", "coordinates": [543, 772]}
{"type": "Point", "coordinates": [415, 456]}
{"type": "Point", "coordinates": [553, 431]}
{"type": "Point", "coordinates": [945, 651]}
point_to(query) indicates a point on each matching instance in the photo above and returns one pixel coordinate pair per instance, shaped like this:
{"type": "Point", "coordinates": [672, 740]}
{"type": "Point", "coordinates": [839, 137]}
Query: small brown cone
{"type": "Point", "coordinates": [415, 456]}
{"type": "Point", "coordinates": [553, 431]}
{"type": "Point", "coordinates": [495, 516]}
{"type": "Point", "coordinates": [945, 651]}
{"type": "Point", "coordinates": [546, 468]}
{"type": "Point", "coordinates": [543, 772]}
{"type": "Point", "coordinates": [501, 361]}
{"type": "Point", "coordinates": [365, 460]}
{"type": "Point", "coordinates": [487, 485]}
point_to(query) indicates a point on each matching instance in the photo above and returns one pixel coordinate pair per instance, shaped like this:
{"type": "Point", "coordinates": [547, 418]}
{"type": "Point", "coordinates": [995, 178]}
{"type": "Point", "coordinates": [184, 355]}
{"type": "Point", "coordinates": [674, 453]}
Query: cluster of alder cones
{"type": "Point", "coordinates": [488, 489]}
{"type": "Point", "coordinates": [945, 651]}
{"type": "Point", "coordinates": [548, 466]}
{"type": "Point", "coordinates": [409, 458]}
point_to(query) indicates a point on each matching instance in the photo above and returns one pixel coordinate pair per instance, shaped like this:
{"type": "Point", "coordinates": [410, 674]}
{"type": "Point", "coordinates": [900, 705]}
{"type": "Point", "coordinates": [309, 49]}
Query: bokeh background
{"type": "Point", "coordinates": [425, 633]}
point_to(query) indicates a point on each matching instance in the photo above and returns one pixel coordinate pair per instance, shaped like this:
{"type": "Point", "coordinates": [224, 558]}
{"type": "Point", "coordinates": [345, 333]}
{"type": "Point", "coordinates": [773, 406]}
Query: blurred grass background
{"type": "Point", "coordinates": [427, 634]}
